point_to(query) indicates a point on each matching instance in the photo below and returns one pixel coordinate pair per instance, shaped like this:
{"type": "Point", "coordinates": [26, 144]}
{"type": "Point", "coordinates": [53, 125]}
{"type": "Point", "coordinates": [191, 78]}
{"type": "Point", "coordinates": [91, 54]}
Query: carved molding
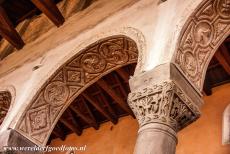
{"type": "Point", "coordinates": [70, 80]}
{"type": "Point", "coordinates": [163, 103]}
{"type": "Point", "coordinates": [5, 102]}
{"type": "Point", "coordinates": [203, 33]}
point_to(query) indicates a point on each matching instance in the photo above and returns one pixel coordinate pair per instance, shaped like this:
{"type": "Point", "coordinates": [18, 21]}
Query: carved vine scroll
{"type": "Point", "coordinates": [5, 101]}
{"type": "Point", "coordinates": [163, 103]}
{"type": "Point", "coordinates": [201, 36]}
{"type": "Point", "coordinates": [70, 80]}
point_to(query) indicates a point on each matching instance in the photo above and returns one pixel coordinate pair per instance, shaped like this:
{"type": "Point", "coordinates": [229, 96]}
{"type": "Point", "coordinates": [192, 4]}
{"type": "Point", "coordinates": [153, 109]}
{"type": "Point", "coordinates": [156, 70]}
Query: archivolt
{"type": "Point", "coordinates": [5, 102]}
{"type": "Point", "coordinates": [202, 34]}
{"type": "Point", "coordinates": [73, 77]}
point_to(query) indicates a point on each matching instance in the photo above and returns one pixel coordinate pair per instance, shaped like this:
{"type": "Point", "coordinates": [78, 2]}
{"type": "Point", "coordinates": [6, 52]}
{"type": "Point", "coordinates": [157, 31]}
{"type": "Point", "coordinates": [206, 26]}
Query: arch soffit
{"type": "Point", "coordinates": [205, 30]}
{"type": "Point", "coordinates": [74, 76]}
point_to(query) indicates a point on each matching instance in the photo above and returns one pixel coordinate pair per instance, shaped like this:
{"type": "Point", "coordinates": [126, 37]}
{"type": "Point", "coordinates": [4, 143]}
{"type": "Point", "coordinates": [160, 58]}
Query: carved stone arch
{"type": "Point", "coordinates": [205, 30]}
{"type": "Point", "coordinates": [69, 80]}
{"type": "Point", "coordinates": [226, 126]}
{"type": "Point", "coordinates": [6, 101]}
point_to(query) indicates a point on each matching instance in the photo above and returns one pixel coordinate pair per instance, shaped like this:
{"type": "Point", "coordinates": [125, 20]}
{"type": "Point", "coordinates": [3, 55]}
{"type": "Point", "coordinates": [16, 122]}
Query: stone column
{"type": "Point", "coordinates": [163, 103]}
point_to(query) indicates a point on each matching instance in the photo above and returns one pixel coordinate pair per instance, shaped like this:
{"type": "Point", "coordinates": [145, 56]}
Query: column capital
{"type": "Point", "coordinates": [163, 103]}
{"type": "Point", "coordinates": [165, 97]}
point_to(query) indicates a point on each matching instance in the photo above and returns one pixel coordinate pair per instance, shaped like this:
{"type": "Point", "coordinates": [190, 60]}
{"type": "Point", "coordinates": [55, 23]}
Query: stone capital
{"type": "Point", "coordinates": [163, 103]}
{"type": "Point", "coordinates": [165, 97]}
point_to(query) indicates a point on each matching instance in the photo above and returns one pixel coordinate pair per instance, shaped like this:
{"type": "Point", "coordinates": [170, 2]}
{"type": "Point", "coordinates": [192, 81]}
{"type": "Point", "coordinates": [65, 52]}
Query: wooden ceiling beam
{"type": "Point", "coordinates": [8, 32]}
{"type": "Point", "coordinates": [84, 117]}
{"type": "Point", "coordinates": [122, 88]}
{"type": "Point", "coordinates": [49, 8]}
{"type": "Point", "coordinates": [207, 86]}
{"type": "Point", "coordinates": [222, 60]}
{"type": "Point", "coordinates": [107, 104]}
{"type": "Point", "coordinates": [123, 74]}
{"type": "Point", "coordinates": [72, 126]}
{"type": "Point", "coordinates": [58, 132]}
{"type": "Point", "coordinates": [101, 83]}
{"type": "Point", "coordinates": [90, 113]}
{"type": "Point", "coordinates": [225, 52]}
{"type": "Point", "coordinates": [96, 104]}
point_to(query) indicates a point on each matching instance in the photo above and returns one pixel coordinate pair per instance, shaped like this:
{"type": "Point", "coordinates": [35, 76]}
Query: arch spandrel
{"type": "Point", "coordinates": [204, 31]}
{"type": "Point", "coordinates": [73, 77]}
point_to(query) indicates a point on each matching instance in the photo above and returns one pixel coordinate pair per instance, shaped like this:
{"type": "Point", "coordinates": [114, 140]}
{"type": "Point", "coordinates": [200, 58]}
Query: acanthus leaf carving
{"type": "Point", "coordinates": [163, 103]}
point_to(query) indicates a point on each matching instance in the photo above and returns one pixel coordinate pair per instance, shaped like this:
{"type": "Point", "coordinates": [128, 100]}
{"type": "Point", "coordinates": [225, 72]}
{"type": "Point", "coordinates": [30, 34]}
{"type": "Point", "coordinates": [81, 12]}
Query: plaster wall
{"type": "Point", "coordinates": [201, 137]}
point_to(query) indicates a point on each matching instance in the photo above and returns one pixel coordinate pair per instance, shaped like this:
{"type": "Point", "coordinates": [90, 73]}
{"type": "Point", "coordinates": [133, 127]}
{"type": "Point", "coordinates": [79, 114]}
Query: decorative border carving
{"type": "Point", "coordinates": [163, 103]}
{"type": "Point", "coordinates": [203, 33]}
{"type": "Point", "coordinates": [70, 80]}
{"type": "Point", "coordinates": [5, 102]}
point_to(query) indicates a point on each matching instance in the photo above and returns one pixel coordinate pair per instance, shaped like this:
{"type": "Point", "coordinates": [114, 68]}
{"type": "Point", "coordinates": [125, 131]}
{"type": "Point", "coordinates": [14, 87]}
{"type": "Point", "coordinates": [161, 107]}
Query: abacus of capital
{"type": "Point", "coordinates": [164, 102]}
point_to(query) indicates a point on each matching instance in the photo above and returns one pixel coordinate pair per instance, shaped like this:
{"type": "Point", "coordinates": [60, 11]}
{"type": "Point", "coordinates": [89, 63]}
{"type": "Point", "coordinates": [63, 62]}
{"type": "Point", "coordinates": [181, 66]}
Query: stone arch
{"type": "Point", "coordinates": [70, 79]}
{"type": "Point", "coordinates": [205, 30]}
{"type": "Point", "coordinates": [6, 101]}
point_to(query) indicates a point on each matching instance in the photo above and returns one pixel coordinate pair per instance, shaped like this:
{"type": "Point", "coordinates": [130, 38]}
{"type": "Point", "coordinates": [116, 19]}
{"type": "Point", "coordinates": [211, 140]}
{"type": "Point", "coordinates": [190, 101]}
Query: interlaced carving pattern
{"type": "Point", "coordinates": [163, 103]}
{"type": "Point", "coordinates": [200, 37]}
{"type": "Point", "coordinates": [5, 100]}
{"type": "Point", "coordinates": [65, 85]}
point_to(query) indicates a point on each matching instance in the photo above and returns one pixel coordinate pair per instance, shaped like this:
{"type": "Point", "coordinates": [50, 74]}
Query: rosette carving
{"type": "Point", "coordinates": [200, 37]}
{"type": "Point", "coordinates": [5, 100]}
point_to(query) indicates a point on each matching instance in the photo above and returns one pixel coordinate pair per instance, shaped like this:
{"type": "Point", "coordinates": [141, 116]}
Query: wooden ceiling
{"type": "Point", "coordinates": [12, 12]}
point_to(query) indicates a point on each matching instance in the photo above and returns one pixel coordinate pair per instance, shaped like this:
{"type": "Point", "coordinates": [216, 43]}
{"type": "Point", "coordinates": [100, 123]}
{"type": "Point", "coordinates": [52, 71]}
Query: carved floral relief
{"type": "Point", "coordinates": [163, 103]}
{"type": "Point", "coordinates": [5, 100]}
{"type": "Point", "coordinates": [200, 38]}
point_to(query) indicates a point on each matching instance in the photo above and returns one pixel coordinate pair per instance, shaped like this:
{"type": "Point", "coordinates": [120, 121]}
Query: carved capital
{"type": "Point", "coordinates": [164, 103]}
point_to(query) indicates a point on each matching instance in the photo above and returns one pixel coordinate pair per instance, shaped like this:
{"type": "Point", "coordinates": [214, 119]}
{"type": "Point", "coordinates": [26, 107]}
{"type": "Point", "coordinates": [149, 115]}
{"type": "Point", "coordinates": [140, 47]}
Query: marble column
{"type": "Point", "coordinates": [163, 102]}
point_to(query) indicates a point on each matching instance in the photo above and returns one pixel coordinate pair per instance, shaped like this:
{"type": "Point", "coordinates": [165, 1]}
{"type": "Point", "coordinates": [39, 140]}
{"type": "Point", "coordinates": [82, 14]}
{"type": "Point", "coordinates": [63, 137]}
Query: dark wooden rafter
{"type": "Point", "coordinates": [207, 87]}
{"type": "Point", "coordinates": [88, 120]}
{"type": "Point", "coordinates": [96, 104]}
{"type": "Point", "coordinates": [124, 92]}
{"type": "Point", "coordinates": [223, 59]}
{"type": "Point", "coordinates": [107, 104]}
{"type": "Point", "coordinates": [72, 126]}
{"type": "Point", "coordinates": [114, 95]}
{"type": "Point", "coordinates": [225, 52]}
{"type": "Point", "coordinates": [123, 74]}
{"type": "Point", "coordinates": [90, 114]}
{"type": "Point", "coordinates": [8, 32]}
{"type": "Point", "coordinates": [49, 8]}
{"type": "Point", "coordinates": [59, 132]}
